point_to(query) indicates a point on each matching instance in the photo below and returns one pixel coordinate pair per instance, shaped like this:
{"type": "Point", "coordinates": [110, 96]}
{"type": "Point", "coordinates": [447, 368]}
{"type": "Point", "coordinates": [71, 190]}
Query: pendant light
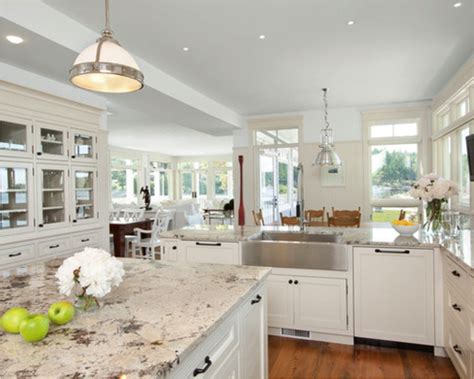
{"type": "Point", "coordinates": [106, 66]}
{"type": "Point", "coordinates": [327, 156]}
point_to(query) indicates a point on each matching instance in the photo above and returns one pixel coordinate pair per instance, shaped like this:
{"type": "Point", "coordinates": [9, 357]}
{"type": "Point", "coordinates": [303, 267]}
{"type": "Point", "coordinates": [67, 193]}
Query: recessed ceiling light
{"type": "Point", "coordinates": [457, 5]}
{"type": "Point", "coordinates": [14, 39]}
{"type": "Point", "coordinates": [262, 36]}
{"type": "Point", "coordinates": [185, 48]}
{"type": "Point", "coordinates": [350, 23]}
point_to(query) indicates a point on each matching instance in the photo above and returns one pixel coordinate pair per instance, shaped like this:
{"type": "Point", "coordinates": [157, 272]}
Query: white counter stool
{"type": "Point", "coordinates": [144, 248]}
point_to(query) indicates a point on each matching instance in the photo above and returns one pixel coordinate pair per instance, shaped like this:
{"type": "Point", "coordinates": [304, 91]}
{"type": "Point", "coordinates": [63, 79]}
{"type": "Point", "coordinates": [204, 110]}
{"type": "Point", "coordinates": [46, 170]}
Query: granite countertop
{"type": "Point", "coordinates": [367, 235]}
{"type": "Point", "coordinates": [156, 318]}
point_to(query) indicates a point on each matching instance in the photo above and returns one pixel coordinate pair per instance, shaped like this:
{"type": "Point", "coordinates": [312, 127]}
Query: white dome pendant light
{"type": "Point", "coordinates": [106, 66]}
{"type": "Point", "coordinates": [327, 156]}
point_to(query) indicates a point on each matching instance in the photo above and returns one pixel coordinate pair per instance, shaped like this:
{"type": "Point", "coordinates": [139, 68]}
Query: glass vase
{"type": "Point", "coordinates": [86, 303]}
{"type": "Point", "coordinates": [433, 224]}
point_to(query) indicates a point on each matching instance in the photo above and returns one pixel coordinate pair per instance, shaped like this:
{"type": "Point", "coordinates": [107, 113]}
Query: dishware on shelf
{"type": "Point", "coordinates": [405, 228]}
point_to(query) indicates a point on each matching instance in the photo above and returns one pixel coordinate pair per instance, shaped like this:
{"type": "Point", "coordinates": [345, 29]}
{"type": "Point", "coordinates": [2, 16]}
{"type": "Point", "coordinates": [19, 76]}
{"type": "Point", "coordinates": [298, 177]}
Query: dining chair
{"type": "Point", "coordinates": [289, 220]}
{"type": "Point", "coordinates": [144, 246]}
{"type": "Point", "coordinates": [258, 218]}
{"type": "Point", "coordinates": [343, 221]}
{"type": "Point", "coordinates": [133, 213]}
{"type": "Point", "coordinates": [315, 217]}
{"type": "Point", "coordinates": [346, 213]}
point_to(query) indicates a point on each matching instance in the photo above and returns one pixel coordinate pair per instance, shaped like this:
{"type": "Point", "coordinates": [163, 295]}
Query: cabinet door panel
{"type": "Point", "coordinates": [83, 146]}
{"type": "Point", "coordinates": [51, 141]}
{"type": "Point", "coordinates": [15, 136]}
{"type": "Point", "coordinates": [84, 195]}
{"type": "Point", "coordinates": [320, 303]}
{"type": "Point", "coordinates": [280, 301]}
{"type": "Point", "coordinates": [229, 368]}
{"type": "Point", "coordinates": [211, 252]}
{"type": "Point", "coordinates": [394, 295]}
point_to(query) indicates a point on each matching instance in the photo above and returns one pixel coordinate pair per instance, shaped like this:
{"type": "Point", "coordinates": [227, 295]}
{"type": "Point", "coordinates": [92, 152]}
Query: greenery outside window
{"type": "Point", "coordinates": [160, 179]}
{"type": "Point", "coordinates": [124, 180]}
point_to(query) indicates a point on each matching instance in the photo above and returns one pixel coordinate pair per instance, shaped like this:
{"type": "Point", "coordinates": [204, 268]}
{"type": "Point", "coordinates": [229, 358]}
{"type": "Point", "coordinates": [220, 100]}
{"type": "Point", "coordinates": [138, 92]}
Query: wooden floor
{"type": "Point", "coordinates": [299, 359]}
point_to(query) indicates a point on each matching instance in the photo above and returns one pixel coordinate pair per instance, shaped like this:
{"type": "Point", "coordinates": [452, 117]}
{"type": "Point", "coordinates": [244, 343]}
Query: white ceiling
{"type": "Point", "coordinates": [397, 51]}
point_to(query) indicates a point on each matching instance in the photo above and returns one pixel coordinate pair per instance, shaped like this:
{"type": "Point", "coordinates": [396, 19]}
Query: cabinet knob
{"type": "Point", "coordinates": [290, 281]}
{"type": "Point", "coordinates": [457, 349]}
{"type": "Point", "coordinates": [39, 153]}
{"type": "Point", "coordinates": [174, 247]}
{"type": "Point", "coordinates": [296, 282]}
{"type": "Point", "coordinates": [456, 307]}
{"type": "Point", "coordinates": [74, 220]}
{"type": "Point", "coordinates": [40, 225]}
{"type": "Point", "coordinates": [456, 273]}
{"type": "Point", "coordinates": [73, 156]}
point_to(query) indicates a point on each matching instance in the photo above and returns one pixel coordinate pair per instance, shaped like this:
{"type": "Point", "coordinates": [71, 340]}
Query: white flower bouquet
{"type": "Point", "coordinates": [95, 271]}
{"type": "Point", "coordinates": [435, 191]}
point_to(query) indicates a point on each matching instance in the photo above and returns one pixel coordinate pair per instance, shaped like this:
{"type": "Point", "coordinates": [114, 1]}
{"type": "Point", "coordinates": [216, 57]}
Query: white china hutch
{"type": "Point", "coordinates": [52, 164]}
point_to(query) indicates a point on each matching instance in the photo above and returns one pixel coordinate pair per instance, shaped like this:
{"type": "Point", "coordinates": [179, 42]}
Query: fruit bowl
{"type": "Point", "coordinates": [405, 228]}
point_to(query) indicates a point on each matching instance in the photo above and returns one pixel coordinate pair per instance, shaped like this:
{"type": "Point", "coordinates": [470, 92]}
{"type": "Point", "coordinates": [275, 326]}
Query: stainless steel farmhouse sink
{"type": "Point", "coordinates": [296, 250]}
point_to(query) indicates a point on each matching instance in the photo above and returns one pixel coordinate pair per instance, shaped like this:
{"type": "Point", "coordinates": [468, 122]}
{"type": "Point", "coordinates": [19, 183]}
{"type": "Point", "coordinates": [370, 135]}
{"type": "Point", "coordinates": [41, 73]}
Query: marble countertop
{"type": "Point", "coordinates": [156, 318]}
{"type": "Point", "coordinates": [367, 235]}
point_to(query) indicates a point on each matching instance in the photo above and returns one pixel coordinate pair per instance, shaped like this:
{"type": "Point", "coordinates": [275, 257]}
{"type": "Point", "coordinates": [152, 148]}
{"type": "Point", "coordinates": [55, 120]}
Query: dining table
{"type": "Point", "coordinates": [121, 227]}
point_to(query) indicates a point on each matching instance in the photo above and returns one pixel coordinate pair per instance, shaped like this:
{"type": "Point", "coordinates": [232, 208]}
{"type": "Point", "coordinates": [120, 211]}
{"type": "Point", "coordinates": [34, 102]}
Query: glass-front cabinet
{"type": "Point", "coordinates": [53, 196]}
{"type": "Point", "coordinates": [51, 141]}
{"type": "Point", "coordinates": [83, 145]}
{"type": "Point", "coordinates": [15, 136]}
{"type": "Point", "coordinates": [84, 196]}
{"type": "Point", "coordinates": [16, 203]}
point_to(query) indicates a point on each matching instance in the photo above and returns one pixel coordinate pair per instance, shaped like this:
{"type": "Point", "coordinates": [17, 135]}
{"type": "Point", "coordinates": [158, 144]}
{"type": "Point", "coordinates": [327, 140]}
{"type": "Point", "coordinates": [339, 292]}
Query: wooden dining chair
{"type": "Point", "coordinates": [315, 217]}
{"type": "Point", "coordinates": [346, 213]}
{"type": "Point", "coordinates": [343, 221]}
{"type": "Point", "coordinates": [289, 220]}
{"type": "Point", "coordinates": [258, 218]}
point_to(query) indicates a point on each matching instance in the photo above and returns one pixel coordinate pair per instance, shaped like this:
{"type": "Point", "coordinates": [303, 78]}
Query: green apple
{"type": "Point", "coordinates": [12, 319]}
{"type": "Point", "coordinates": [61, 313]}
{"type": "Point", "coordinates": [34, 328]}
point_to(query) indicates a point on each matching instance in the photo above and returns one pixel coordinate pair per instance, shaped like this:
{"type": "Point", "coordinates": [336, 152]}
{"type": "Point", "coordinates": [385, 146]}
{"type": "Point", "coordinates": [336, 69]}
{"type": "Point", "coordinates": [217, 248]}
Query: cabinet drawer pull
{"type": "Point", "coordinates": [40, 225]}
{"type": "Point", "coordinates": [392, 251]}
{"type": "Point", "coordinates": [39, 153]}
{"type": "Point", "coordinates": [256, 300]}
{"type": "Point", "coordinates": [296, 282]}
{"type": "Point", "coordinates": [456, 307]}
{"type": "Point", "coordinates": [456, 273]}
{"type": "Point", "coordinates": [290, 281]}
{"type": "Point", "coordinates": [208, 244]}
{"type": "Point", "coordinates": [198, 371]}
{"type": "Point", "coordinates": [457, 349]}
{"type": "Point", "coordinates": [14, 255]}
{"type": "Point", "coordinates": [85, 240]}
{"type": "Point", "coordinates": [54, 246]}
{"type": "Point", "coordinates": [174, 247]}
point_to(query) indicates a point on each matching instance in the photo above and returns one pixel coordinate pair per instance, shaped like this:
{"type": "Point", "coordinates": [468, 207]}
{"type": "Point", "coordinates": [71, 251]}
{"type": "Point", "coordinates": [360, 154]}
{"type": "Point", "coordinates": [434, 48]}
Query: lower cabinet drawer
{"type": "Point", "coordinates": [458, 350]}
{"type": "Point", "coordinates": [53, 247]}
{"type": "Point", "coordinates": [10, 256]}
{"type": "Point", "coordinates": [457, 309]}
{"type": "Point", "coordinates": [458, 278]}
{"type": "Point", "coordinates": [84, 240]}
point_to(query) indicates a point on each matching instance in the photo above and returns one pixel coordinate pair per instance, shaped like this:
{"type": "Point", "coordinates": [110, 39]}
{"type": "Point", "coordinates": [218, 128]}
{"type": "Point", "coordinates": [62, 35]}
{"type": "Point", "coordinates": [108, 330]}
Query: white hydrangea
{"type": "Point", "coordinates": [98, 272]}
{"type": "Point", "coordinates": [431, 187]}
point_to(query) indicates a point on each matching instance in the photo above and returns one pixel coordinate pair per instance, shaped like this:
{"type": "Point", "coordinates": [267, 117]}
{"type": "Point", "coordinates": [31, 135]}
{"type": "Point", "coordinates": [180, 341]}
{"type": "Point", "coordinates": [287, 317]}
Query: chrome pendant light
{"type": "Point", "coordinates": [106, 66]}
{"type": "Point", "coordinates": [327, 156]}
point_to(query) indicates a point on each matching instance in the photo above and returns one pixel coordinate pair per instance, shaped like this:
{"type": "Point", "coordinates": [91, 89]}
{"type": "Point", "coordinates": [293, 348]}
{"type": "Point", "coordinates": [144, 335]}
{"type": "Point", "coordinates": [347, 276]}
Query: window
{"type": "Point", "coordinates": [276, 137]}
{"type": "Point", "coordinates": [160, 179]}
{"type": "Point", "coordinates": [124, 180]}
{"type": "Point", "coordinates": [462, 108]}
{"type": "Point", "coordinates": [186, 184]}
{"type": "Point", "coordinates": [223, 179]}
{"type": "Point", "coordinates": [393, 150]}
{"type": "Point", "coordinates": [463, 169]}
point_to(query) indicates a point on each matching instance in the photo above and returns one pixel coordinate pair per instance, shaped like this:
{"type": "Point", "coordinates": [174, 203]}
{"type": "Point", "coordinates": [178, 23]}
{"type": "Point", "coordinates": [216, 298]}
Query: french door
{"type": "Point", "coordinates": [277, 182]}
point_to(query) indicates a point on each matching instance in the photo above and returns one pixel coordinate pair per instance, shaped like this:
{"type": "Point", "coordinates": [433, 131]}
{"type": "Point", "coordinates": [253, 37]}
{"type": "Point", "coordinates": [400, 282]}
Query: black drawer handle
{"type": "Point", "coordinates": [208, 244]}
{"type": "Point", "coordinates": [256, 300]}
{"type": "Point", "coordinates": [54, 246]}
{"type": "Point", "coordinates": [14, 255]}
{"type": "Point", "coordinates": [457, 349]}
{"type": "Point", "coordinates": [456, 273]}
{"type": "Point", "coordinates": [85, 240]}
{"type": "Point", "coordinates": [198, 371]}
{"type": "Point", "coordinates": [456, 307]}
{"type": "Point", "coordinates": [174, 247]}
{"type": "Point", "coordinates": [392, 251]}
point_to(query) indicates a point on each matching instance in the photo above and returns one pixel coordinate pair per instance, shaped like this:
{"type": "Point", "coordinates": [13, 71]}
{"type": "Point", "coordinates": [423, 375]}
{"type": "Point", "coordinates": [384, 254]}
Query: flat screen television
{"type": "Point", "coordinates": [470, 155]}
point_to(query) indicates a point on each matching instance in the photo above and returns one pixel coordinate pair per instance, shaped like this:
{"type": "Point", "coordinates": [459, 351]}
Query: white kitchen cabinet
{"type": "Point", "coordinates": [308, 303]}
{"type": "Point", "coordinates": [229, 368]}
{"type": "Point", "coordinates": [16, 136]}
{"type": "Point", "coordinates": [254, 338]}
{"type": "Point", "coordinates": [53, 195]}
{"type": "Point", "coordinates": [83, 146]}
{"type": "Point", "coordinates": [394, 294]}
{"type": "Point", "coordinates": [210, 252]}
{"type": "Point", "coordinates": [84, 196]}
{"type": "Point", "coordinates": [51, 141]}
{"type": "Point", "coordinates": [169, 250]}
{"type": "Point", "coordinates": [13, 255]}
{"type": "Point", "coordinates": [320, 303]}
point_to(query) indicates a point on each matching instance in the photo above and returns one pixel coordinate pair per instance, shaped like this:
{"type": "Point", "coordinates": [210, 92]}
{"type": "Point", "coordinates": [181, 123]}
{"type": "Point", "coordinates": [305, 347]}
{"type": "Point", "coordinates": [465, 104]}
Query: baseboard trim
{"type": "Point", "coordinates": [314, 336]}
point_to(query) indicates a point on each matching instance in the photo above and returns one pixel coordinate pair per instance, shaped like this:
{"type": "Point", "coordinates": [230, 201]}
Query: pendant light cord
{"type": "Point", "coordinates": [325, 99]}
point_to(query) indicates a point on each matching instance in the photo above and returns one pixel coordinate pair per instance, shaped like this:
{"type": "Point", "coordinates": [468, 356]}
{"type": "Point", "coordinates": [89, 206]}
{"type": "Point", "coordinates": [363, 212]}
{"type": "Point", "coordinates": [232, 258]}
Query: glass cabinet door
{"type": "Point", "coordinates": [14, 136]}
{"type": "Point", "coordinates": [15, 202]}
{"type": "Point", "coordinates": [53, 195]}
{"type": "Point", "coordinates": [84, 194]}
{"type": "Point", "coordinates": [83, 146]}
{"type": "Point", "coordinates": [51, 141]}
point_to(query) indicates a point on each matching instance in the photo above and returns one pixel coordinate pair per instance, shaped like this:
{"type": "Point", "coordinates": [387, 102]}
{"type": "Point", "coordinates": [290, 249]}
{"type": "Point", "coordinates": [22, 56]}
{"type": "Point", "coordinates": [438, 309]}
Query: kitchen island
{"type": "Point", "coordinates": [164, 320]}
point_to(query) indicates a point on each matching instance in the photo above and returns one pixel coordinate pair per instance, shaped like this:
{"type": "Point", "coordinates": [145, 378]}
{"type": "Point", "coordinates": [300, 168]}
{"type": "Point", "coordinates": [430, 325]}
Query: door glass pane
{"type": "Point", "coordinates": [202, 184]}
{"type": "Point", "coordinates": [12, 136]}
{"type": "Point", "coordinates": [13, 197]}
{"type": "Point", "coordinates": [394, 169]}
{"type": "Point", "coordinates": [124, 185]}
{"type": "Point", "coordinates": [160, 185]}
{"type": "Point", "coordinates": [287, 180]}
{"type": "Point", "coordinates": [186, 185]}
{"type": "Point", "coordinates": [268, 196]}
{"type": "Point", "coordinates": [83, 146]}
{"type": "Point", "coordinates": [276, 136]}
{"type": "Point", "coordinates": [52, 141]}
{"type": "Point", "coordinates": [84, 194]}
{"type": "Point", "coordinates": [53, 196]}
{"type": "Point", "coordinates": [463, 168]}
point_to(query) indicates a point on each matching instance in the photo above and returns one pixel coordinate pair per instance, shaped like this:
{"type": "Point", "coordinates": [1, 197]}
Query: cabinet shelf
{"type": "Point", "coordinates": [84, 189]}
{"type": "Point", "coordinates": [12, 190]}
{"type": "Point", "coordinates": [53, 208]}
{"type": "Point", "coordinates": [84, 205]}
{"type": "Point", "coordinates": [51, 142]}
{"type": "Point", "coordinates": [14, 211]}
{"type": "Point", "coordinates": [53, 189]}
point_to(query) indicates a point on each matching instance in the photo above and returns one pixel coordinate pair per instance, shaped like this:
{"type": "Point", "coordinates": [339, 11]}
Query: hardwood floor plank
{"type": "Point", "coordinates": [291, 358]}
